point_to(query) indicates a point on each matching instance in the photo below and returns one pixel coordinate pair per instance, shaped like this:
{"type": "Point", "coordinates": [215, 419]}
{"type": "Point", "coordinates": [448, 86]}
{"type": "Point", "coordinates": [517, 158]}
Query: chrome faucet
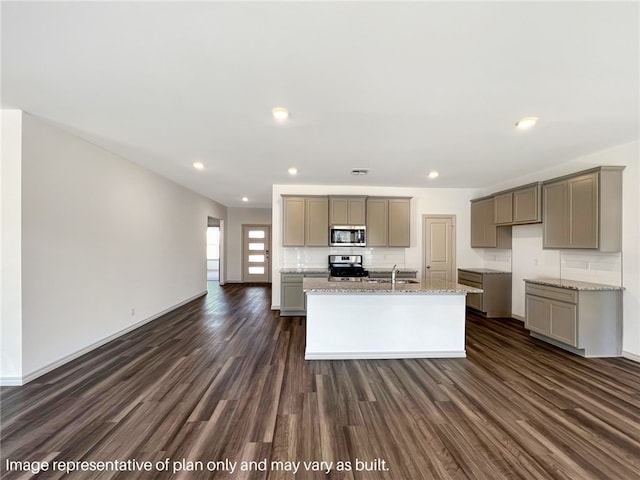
{"type": "Point", "coordinates": [393, 273]}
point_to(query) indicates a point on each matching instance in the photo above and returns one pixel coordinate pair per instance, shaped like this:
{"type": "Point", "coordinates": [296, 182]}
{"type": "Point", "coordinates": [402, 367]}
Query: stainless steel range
{"type": "Point", "coordinates": [345, 268]}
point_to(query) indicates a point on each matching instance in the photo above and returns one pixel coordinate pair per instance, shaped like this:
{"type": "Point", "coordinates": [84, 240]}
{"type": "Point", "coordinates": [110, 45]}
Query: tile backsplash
{"type": "Point", "coordinates": [592, 267]}
{"type": "Point", "coordinates": [497, 259]}
{"type": "Point", "coordinates": [300, 257]}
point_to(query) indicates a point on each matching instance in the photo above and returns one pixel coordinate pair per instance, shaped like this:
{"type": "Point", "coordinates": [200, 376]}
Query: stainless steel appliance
{"type": "Point", "coordinates": [347, 235]}
{"type": "Point", "coordinates": [346, 268]}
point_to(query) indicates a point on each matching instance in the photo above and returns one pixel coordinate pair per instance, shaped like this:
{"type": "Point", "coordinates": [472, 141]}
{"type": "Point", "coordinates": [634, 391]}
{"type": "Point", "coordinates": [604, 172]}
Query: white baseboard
{"type": "Point", "coordinates": [631, 356]}
{"type": "Point", "coordinates": [518, 317]}
{"type": "Point", "coordinates": [382, 355]}
{"type": "Point", "coordinates": [10, 381]}
{"type": "Point", "coordinates": [19, 381]}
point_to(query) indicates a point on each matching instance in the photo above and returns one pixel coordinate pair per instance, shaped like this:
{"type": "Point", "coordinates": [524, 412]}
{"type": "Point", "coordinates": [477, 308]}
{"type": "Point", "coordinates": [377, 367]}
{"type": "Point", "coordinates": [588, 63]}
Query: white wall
{"type": "Point", "coordinates": [530, 260]}
{"type": "Point", "coordinates": [424, 201]}
{"type": "Point", "coordinates": [10, 248]}
{"type": "Point", "coordinates": [236, 217]}
{"type": "Point", "coordinates": [106, 245]}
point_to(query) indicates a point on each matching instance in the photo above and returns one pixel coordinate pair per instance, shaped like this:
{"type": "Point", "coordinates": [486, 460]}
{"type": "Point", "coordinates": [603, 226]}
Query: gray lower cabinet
{"type": "Point", "coordinates": [496, 299]}
{"type": "Point", "coordinates": [293, 301]}
{"type": "Point", "coordinates": [586, 322]}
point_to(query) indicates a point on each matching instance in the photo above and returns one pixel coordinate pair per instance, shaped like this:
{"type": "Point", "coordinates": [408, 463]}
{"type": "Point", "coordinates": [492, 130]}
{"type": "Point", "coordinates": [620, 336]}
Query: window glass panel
{"type": "Point", "coordinates": [213, 243]}
{"type": "Point", "coordinates": [213, 252]}
{"type": "Point", "coordinates": [256, 270]}
{"type": "Point", "coordinates": [256, 233]}
{"type": "Point", "coordinates": [256, 246]}
{"type": "Point", "coordinates": [213, 235]}
{"type": "Point", "coordinates": [256, 258]}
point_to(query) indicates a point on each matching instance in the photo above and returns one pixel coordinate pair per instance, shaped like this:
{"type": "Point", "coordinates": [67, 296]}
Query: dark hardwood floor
{"type": "Point", "coordinates": [224, 378]}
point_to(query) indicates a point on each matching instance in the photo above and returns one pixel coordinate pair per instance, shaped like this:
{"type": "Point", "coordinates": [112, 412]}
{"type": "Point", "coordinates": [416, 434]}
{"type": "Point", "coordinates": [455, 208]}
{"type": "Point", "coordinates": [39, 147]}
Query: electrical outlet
{"type": "Point", "coordinates": [133, 311]}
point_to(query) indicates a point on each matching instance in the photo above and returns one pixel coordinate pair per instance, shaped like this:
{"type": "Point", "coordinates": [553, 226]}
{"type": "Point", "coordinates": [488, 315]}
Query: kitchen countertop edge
{"type": "Point", "coordinates": [324, 286]}
{"type": "Point", "coordinates": [573, 284]}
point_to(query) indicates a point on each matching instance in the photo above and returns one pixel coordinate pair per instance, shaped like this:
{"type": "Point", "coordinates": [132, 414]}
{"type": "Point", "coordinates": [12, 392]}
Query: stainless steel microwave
{"type": "Point", "coordinates": [347, 235]}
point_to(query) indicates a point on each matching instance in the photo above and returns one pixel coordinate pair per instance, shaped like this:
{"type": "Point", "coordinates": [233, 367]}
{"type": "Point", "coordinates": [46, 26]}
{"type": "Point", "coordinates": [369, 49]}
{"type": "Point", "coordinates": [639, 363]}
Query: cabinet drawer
{"type": "Point", "coordinates": [555, 293]}
{"type": "Point", "coordinates": [292, 277]}
{"type": "Point", "coordinates": [316, 275]}
{"type": "Point", "coordinates": [465, 276]}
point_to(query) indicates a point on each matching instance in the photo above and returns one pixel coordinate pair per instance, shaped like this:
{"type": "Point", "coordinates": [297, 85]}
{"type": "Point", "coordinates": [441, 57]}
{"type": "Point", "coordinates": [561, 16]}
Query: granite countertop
{"type": "Point", "coordinates": [572, 284]}
{"type": "Point", "coordinates": [482, 271]}
{"type": "Point", "coordinates": [424, 287]}
{"type": "Point", "coordinates": [305, 270]}
{"type": "Point", "coordinates": [388, 270]}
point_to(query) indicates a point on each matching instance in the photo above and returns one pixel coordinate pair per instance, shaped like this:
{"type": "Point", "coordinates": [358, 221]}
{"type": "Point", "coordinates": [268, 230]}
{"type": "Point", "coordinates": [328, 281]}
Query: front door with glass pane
{"type": "Point", "coordinates": [255, 247]}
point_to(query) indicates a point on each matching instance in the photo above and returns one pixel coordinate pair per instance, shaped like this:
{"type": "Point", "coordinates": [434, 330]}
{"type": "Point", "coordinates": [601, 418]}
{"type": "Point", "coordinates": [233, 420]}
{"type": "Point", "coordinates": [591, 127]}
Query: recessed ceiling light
{"type": "Point", "coordinates": [433, 174]}
{"type": "Point", "coordinates": [245, 199]}
{"type": "Point", "coordinates": [198, 165]}
{"type": "Point", "coordinates": [359, 171]}
{"type": "Point", "coordinates": [293, 171]}
{"type": "Point", "coordinates": [526, 122]}
{"type": "Point", "coordinates": [280, 113]}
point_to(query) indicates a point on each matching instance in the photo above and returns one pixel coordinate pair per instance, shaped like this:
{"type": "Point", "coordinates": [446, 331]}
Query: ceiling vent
{"type": "Point", "coordinates": [359, 171]}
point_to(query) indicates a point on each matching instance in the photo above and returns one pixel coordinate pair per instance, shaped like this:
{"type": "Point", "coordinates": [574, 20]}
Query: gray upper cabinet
{"type": "Point", "coordinates": [484, 232]}
{"type": "Point", "coordinates": [347, 210]}
{"type": "Point", "coordinates": [305, 221]}
{"type": "Point", "coordinates": [317, 222]}
{"type": "Point", "coordinates": [584, 210]}
{"type": "Point", "coordinates": [399, 222]}
{"type": "Point", "coordinates": [519, 206]}
{"type": "Point", "coordinates": [527, 204]}
{"type": "Point", "coordinates": [293, 221]}
{"type": "Point", "coordinates": [388, 222]}
{"type": "Point", "coordinates": [503, 208]}
{"type": "Point", "coordinates": [377, 222]}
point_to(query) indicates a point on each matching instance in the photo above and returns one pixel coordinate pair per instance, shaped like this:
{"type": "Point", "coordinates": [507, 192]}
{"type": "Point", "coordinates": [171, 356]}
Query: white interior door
{"type": "Point", "coordinates": [439, 237]}
{"type": "Point", "coordinates": [256, 264]}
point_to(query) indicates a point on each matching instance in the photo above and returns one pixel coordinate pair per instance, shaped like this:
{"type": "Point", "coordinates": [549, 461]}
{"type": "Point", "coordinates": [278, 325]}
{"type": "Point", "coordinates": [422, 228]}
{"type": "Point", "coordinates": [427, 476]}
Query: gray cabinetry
{"type": "Point", "coordinates": [399, 222]}
{"type": "Point", "coordinates": [503, 208]}
{"type": "Point", "coordinates": [388, 222]}
{"type": "Point", "coordinates": [484, 232]}
{"type": "Point", "coordinates": [518, 206]}
{"type": "Point", "coordinates": [496, 299]}
{"type": "Point", "coordinates": [317, 222]}
{"type": "Point", "coordinates": [293, 221]}
{"type": "Point", "coordinates": [377, 222]}
{"type": "Point", "coordinates": [527, 204]}
{"type": "Point", "coordinates": [293, 301]}
{"type": "Point", "coordinates": [587, 322]}
{"type": "Point", "coordinates": [584, 210]}
{"type": "Point", "coordinates": [347, 210]}
{"type": "Point", "coordinates": [305, 221]}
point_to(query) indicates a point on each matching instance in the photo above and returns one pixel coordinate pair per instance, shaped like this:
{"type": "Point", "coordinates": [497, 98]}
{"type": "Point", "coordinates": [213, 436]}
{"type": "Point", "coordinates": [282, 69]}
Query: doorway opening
{"type": "Point", "coordinates": [214, 250]}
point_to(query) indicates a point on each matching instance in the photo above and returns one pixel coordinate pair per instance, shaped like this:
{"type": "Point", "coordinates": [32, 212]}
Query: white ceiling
{"type": "Point", "coordinates": [399, 88]}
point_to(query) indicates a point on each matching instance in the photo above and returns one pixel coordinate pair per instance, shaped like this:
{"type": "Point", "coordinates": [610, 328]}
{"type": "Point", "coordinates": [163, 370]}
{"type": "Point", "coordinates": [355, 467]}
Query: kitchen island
{"type": "Point", "coordinates": [380, 319]}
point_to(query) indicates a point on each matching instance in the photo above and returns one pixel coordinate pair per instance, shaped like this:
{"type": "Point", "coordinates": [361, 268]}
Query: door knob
{"type": "Point", "coordinates": [428, 266]}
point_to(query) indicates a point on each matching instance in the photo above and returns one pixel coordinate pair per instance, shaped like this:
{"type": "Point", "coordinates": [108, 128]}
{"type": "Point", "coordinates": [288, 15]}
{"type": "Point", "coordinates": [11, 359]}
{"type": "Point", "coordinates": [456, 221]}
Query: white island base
{"type": "Point", "coordinates": [363, 325]}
